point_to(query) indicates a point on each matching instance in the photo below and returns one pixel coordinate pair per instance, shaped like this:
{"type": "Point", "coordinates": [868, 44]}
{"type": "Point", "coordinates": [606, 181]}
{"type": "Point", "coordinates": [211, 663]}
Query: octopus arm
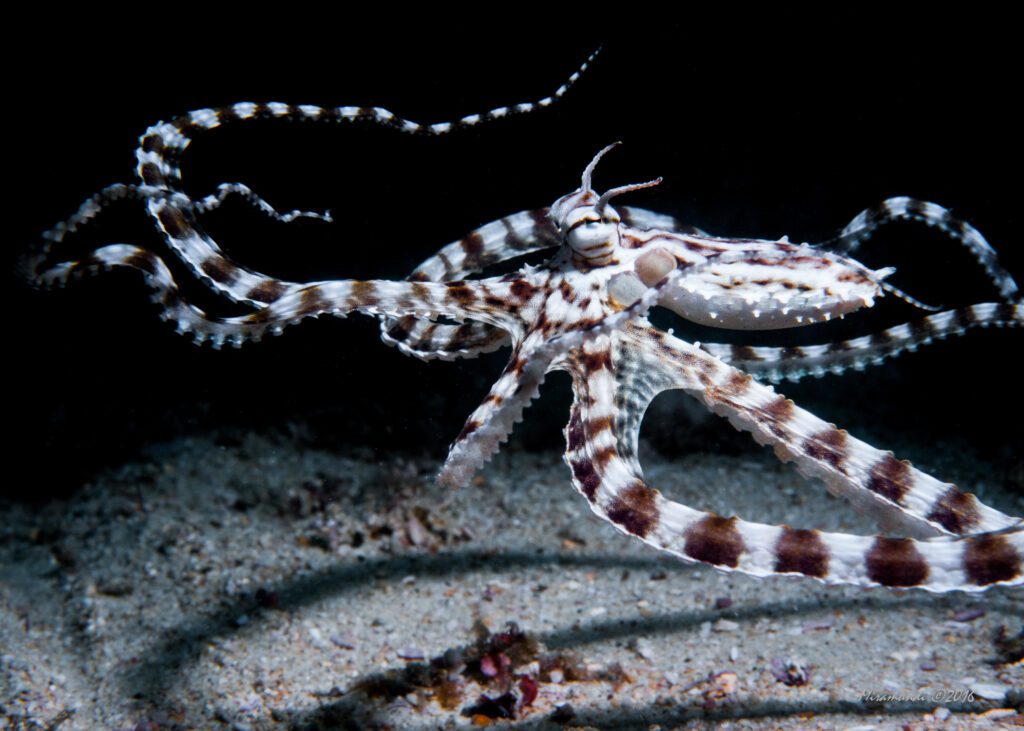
{"type": "Point", "coordinates": [614, 380]}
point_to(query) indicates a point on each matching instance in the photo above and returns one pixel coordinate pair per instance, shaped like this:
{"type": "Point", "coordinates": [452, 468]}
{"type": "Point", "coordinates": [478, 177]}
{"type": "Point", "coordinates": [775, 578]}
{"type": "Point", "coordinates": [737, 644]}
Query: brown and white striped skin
{"type": "Point", "coordinates": [508, 238]}
{"type": "Point", "coordinates": [901, 208]}
{"type": "Point", "coordinates": [158, 167]}
{"type": "Point", "coordinates": [794, 362]}
{"type": "Point", "coordinates": [615, 379]}
{"type": "Point", "coordinates": [584, 311]}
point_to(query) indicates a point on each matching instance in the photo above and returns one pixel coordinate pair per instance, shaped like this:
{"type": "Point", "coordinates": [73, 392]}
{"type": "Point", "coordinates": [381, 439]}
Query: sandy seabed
{"type": "Point", "coordinates": [245, 582]}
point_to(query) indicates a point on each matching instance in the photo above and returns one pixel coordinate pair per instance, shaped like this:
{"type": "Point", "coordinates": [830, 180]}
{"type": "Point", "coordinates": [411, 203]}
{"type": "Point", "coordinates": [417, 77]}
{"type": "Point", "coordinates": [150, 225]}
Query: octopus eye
{"type": "Point", "coordinates": [583, 222]}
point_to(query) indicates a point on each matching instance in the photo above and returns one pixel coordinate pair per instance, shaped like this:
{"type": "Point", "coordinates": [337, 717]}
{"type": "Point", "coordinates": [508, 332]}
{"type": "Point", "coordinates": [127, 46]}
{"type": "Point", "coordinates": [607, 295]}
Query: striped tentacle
{"type": "Point", "coordinates": [792, 363]}
{"type": "Point", "coordinates": [491, 423]}
{"type": "Point", "coordinates": [186, 317]}
{"type": "Point", "coordinates": [498, 241]}
{"type": "Point", "coordinates": [456, 300]}
{"type": "Point", "coordinates": [428, 340]}
{"type": "Point", "coordinates": [521, 233]}
{"type": "Point", "coordinates": [162, 145]}
{"type": "Point", "coordinates": [214, 200]}
{"type": "Point", "coordinates": [892, 489]}
{"type": "Point", "coordinates": [35, 261]}
{"type": "Point", "coordinates": [93, 206]}
{"type": "Point", "coordinates": [641, 218]}
{"type": "Point", "coordinates": [613, 383]}
{"type": "Point", "coordinates": [908, 209]}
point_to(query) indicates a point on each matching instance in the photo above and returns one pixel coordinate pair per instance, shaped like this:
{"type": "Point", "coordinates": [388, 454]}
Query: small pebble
{"type": "Point", "coordinates": [343, 641]}
{"type": "Point", "coordinates": [645, 649]}
{"type": "Point", "coordinates": [994, 714]}
{"type": "Point", "coordinates": [725, 625]}
{"type": "Point", "coordinates": [819, 624]}
{"type": "Point", "coordinates": [411, 653]}
{"type": "Point", "coordinates": [969, 615]}
{"type": "Point", "coordinates": [989, 691]}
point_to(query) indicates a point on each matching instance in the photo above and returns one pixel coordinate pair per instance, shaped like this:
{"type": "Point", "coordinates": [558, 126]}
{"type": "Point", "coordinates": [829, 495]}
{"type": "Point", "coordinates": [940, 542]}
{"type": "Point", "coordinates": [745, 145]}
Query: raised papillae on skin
{"type": "Point", "coordinates": [584, 311]}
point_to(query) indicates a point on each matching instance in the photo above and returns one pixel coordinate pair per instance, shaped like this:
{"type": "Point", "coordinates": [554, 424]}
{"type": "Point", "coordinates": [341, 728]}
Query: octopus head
{"type": "Point", "coordinates": [589, 226]}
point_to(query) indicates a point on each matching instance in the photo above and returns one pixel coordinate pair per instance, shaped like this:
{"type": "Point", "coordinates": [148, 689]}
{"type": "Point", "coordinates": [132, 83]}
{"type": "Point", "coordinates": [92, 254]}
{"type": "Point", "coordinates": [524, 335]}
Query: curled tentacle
{"type": "Point", "coordinates": [869, 220]}
{"type": "Point", "coordinates": [869, 477]}
{"type": "Point", "coordinates": [158, 167]}
{"type": "Point", "coordinates": [35, 261]}
{"type": "Point", "coordinates": [162, 145]}
{"type": "Point", "coordinates": [614, 381]}
{"type": "Point", "coordinates": [212, 269]}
